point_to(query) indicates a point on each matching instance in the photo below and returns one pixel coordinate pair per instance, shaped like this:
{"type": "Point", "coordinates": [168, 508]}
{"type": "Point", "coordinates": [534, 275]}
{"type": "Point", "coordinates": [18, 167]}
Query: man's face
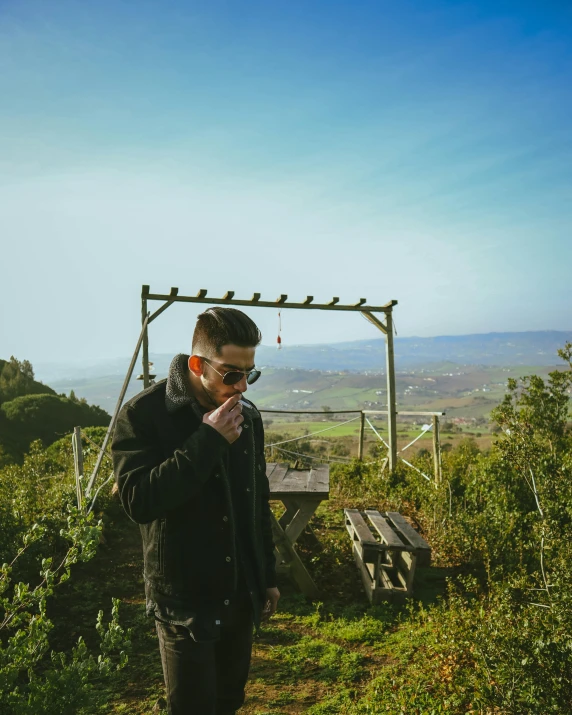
{"type": "Point", "coordinates": [231, 357]}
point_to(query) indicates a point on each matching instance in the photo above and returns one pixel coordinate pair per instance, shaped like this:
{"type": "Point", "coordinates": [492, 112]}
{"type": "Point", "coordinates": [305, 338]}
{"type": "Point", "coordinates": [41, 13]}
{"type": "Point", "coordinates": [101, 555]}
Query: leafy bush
{"type": "Point", "coordinates": [45, 417]}
{"type": "Point", "coordinates": [37, 510]}
{"type": "Point", "coordinates": [501, 641]}
{"type": "Point", "coordinates": [30, 682]}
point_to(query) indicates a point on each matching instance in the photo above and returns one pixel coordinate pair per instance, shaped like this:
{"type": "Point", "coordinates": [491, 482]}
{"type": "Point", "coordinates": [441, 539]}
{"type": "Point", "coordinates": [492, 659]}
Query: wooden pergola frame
{"type": "Point", "coordinates": [282, 302]}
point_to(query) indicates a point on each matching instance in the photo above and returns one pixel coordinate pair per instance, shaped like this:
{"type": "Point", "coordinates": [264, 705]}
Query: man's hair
{"type": "Point", "coordinates": [223, 326]}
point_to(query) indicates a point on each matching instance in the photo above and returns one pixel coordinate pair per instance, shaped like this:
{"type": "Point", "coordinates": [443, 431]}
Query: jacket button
{"type": "Point", "coordinates": [245, 451]}
{"type": "Point", "coordinates": [226, 602]}
{"type": "Point", "coordinates": [225, 518]}
{"type": "Point", "coordinates": [247, 489]}
{"type": "Point", "coordinates": [217, 475]}
{"type": "Point", "coordinates": [228, 559]}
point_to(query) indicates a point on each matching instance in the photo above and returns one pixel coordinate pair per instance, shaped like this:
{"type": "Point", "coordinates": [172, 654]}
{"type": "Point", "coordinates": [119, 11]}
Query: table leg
{"type": "Point", "coordinates": [301, 519]}
{"type": "Point", "coordinates": [287, 552]}
{"type": "Point", "coordinates": [292, 508]}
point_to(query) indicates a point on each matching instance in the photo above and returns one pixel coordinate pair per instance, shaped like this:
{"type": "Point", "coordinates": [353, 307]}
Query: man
{"type": "Point", "coordinates": [188, 457]}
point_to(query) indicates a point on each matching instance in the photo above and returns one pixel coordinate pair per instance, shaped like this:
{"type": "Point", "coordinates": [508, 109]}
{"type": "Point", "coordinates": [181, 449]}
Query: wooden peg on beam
{"type": "Point", "coordinates": [202, 293]}
{"type": "Point", "coordinates": [282, 299]}
{"type": "Point", "coordinates": [361, 302]}
{"type": "Point", "coordinates": [228, 295]}
{"type": "Point", "coordinates": [309, 299]}
{"type": "Point", "coordinates": [174, 291]}
{"type": "Point", "coordinates": [334, 301]}
{"type": "Point", "coordinates": [255, 298]}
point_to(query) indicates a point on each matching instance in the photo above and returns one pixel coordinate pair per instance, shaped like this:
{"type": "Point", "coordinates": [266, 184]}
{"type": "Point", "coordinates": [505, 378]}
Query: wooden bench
{"type": "Point", "coordinates": [386, 554]}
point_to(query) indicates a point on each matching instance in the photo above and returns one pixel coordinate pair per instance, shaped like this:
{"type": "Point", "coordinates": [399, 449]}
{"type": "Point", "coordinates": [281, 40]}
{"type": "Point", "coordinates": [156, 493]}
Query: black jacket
{"type": "Point", "coordinates": [173, 474]}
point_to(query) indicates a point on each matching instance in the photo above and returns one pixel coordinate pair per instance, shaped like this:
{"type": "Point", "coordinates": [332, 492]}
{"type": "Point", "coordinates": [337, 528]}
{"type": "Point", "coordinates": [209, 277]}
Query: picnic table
{"type": "Point", "coordinates": [301, 491]}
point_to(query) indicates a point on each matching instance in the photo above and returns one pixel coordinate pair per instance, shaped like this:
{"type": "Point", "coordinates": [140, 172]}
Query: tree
{"type": "Point", "coordinates": [17, 379]}
{"type": "Point", "coordinates": [45, 417]}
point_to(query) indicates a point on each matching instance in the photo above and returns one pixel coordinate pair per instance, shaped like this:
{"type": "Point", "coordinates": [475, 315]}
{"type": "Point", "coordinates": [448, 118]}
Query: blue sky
{"type": "Point", "coordinates": [418, 151]}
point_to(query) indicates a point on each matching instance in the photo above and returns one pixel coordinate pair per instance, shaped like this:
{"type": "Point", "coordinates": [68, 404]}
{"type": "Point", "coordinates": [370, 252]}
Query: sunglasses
{"type": "Point", "coordinates": [233, 376]}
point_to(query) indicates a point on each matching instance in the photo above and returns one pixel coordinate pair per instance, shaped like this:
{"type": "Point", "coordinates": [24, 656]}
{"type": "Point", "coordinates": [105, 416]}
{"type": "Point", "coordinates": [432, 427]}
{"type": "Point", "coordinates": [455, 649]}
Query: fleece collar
{"type": "Point", "coordinates": [178, 392]}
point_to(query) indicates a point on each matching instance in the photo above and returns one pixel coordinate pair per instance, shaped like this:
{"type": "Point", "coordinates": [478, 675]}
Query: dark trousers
{"type": "Point", "coordinates": [207, 678]}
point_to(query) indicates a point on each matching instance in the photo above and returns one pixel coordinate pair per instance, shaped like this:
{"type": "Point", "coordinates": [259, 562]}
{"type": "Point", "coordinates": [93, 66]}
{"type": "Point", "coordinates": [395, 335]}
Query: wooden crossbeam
{"type": "Point", "coordinates": [282, 300]}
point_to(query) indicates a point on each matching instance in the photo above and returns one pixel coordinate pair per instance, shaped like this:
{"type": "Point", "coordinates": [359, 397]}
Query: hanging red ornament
{"type": "Point", "coordinates": [279, 339]}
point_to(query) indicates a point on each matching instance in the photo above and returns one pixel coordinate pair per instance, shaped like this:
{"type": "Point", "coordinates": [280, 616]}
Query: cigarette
{"type": "Point", "coordinates": [243, 404]}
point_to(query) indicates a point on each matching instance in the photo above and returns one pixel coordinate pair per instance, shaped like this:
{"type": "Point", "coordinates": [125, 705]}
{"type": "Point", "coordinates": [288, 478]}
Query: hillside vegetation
{"type": "Point", "coordinates": [30, 410]}
{"type": "Point", "coordinates": [489, 631]}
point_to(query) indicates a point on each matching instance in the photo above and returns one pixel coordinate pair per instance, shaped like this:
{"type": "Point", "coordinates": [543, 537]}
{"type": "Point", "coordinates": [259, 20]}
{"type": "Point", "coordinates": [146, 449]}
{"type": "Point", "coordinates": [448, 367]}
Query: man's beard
{"type": "Point", "coordinates": [210, 397]}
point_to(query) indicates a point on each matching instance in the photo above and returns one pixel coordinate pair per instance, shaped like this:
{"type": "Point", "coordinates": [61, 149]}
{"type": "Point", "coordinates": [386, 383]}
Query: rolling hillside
{"type": "Point", "coordinates": [471, 391]}
{"type": "Point", "coordinates": [464, 375]}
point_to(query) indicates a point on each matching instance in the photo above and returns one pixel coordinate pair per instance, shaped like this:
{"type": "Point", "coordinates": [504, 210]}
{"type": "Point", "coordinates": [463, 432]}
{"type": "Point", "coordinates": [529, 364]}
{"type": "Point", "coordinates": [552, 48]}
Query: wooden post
{"type": "Point", "coordinates": [391, 397]}
{"type": "Point", "coordinates": [78, 463]}
{"type": "Point", "coordinates": [117, 408]}
{"type": "Point", "coordinates": [144, 314]}
{"type": "Point", "coordinates": [361, 436]}
{"type": "Point", "coordinates": [436, 450]}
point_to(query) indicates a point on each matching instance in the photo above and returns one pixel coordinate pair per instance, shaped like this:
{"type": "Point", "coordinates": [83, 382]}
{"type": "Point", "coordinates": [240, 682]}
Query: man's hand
{"type": "Point", "coordinates": [227, 419]}
{"type": "Point", "coordinates": [272, 596]}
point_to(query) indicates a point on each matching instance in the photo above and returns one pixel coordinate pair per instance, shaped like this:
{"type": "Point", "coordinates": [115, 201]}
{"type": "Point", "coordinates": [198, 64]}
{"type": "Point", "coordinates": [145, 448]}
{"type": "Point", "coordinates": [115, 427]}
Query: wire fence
{"type": "Point", "coordinates": [84, 495]}
{"type": "Point", "coordinates": [362, 416]}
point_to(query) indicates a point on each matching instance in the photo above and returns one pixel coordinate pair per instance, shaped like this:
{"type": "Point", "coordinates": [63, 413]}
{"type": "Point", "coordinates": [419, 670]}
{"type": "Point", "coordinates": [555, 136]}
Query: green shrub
{"type": "Point", "coordinates": [43, 417]}
{"type": "Point", "coordinates": [38, 510]}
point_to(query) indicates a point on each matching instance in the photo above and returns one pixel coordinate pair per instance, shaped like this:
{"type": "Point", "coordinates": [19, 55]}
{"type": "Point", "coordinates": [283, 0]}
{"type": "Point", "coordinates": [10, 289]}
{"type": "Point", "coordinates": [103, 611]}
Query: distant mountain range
{"type": "Point", "coordinates": [489, 349]}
